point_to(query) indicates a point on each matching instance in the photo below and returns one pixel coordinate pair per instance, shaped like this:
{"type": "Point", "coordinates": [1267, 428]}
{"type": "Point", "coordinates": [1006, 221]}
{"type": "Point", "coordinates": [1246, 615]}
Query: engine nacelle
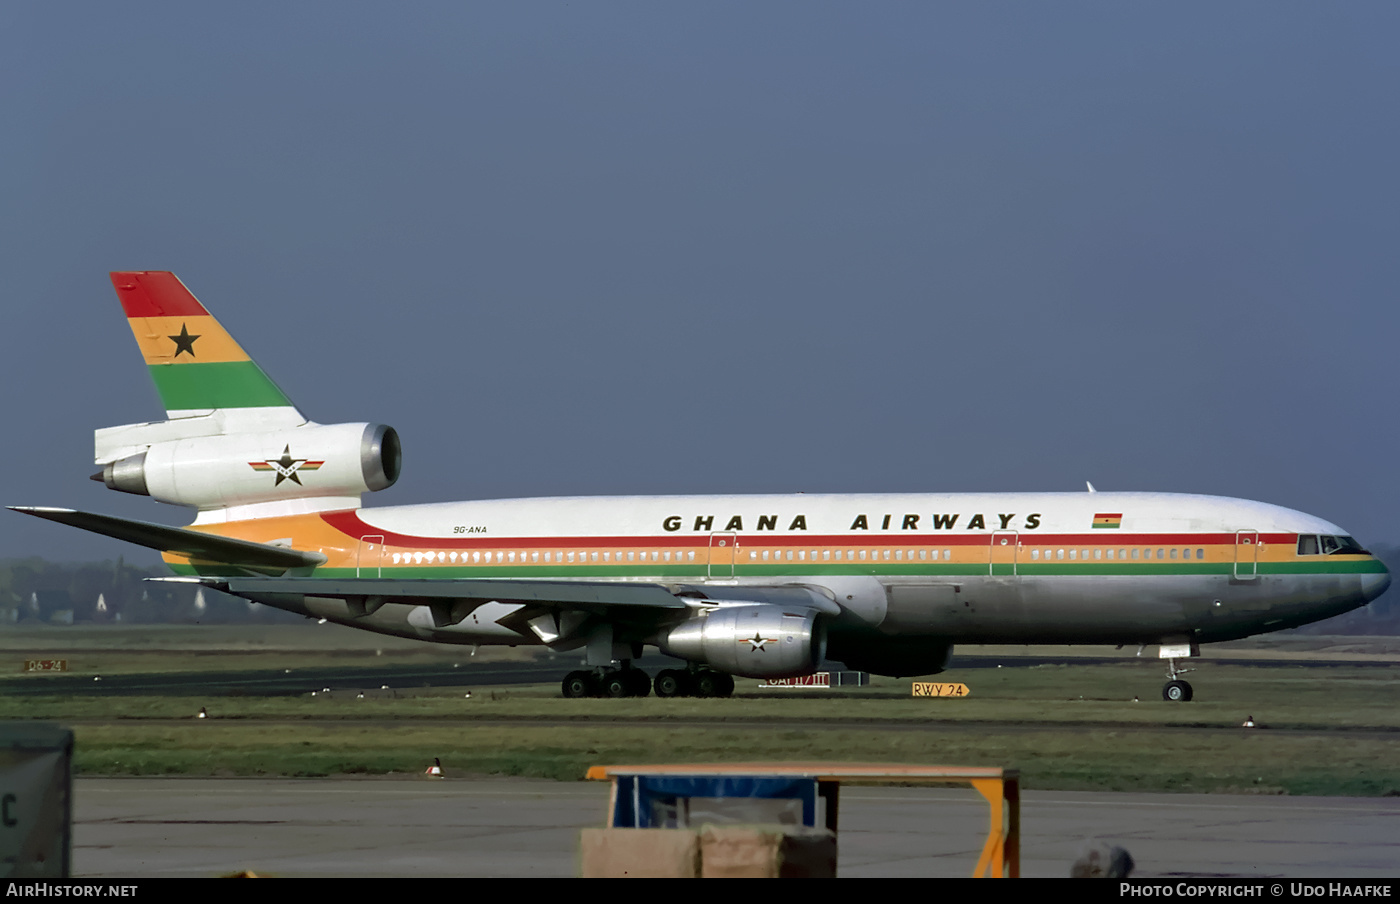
{"type": "Point", "coordinates": [333, 460]}
{"type": "Point", "coordinates": [750, 641]}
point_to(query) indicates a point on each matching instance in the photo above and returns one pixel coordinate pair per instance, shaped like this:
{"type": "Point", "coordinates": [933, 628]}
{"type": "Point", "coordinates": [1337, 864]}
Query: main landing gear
{"type": "Point", "coordinates": [695, 681]}
{"type": "Point", "coordinates": [607, 682]}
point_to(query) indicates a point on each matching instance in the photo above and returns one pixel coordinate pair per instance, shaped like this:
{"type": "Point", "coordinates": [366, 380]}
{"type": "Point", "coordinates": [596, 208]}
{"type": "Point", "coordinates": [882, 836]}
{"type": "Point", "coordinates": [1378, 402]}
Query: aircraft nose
{"type": "Point", "coordinates": [1373, 585]}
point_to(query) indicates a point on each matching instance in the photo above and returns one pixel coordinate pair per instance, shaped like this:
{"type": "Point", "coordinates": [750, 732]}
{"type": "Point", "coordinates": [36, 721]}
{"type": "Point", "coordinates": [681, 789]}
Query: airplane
{"type": "Point", "coordinates": [749, 586]}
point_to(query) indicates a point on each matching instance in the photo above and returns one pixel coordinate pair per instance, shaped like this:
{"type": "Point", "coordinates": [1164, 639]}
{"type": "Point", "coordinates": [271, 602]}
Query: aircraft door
{"type": "Point", "coordinates": [369, 557]}
{"type": "Point", "coordinates": [1246, 555]}
{"type": "Point", "coordinates": [724, 550]}
{"type": "Point", "coordinates": [1002, 559]}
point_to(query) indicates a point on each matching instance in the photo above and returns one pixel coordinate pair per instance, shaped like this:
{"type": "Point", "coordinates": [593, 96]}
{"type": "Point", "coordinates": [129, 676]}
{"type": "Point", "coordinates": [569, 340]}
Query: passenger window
{"type": "Point", "coordinates": [1200, 553]}
{"type": "Point", "coordinates": [1035, 555]}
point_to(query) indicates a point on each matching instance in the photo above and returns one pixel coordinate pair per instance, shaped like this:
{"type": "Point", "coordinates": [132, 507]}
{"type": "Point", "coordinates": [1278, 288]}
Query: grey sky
{"type": "Point", "coordinates": [706, 248]}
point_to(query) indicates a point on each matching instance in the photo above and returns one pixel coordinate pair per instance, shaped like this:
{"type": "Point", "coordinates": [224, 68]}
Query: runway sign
{"type": "Point", "coordinates": [937, 689]}
{"type": "Point", "coordinates": [46, 665]}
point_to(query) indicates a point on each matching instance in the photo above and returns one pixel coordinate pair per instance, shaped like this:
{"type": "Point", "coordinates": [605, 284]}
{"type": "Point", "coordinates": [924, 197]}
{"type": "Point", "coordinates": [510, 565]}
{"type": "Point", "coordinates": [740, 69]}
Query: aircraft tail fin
{"type": "Point", "coordinates": [196, 365]}
{"type": "Point", "coordinates": [233, 445]}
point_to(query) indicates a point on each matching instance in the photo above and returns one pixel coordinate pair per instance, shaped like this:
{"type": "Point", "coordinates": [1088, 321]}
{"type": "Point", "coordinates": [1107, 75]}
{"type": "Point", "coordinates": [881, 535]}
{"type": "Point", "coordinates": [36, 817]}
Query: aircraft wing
{"type": "Point", "coordinates": [164, 538]}
{"type": "Point", "coordinates": [450, 599]}
{"type": "Point", "coordinates": [426, 591]}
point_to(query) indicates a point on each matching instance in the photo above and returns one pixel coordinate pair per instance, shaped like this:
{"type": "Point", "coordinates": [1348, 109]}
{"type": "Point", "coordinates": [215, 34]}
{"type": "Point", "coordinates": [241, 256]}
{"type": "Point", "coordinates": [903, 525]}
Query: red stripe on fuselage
{"type": "Point", "coordinates": [350, 524]}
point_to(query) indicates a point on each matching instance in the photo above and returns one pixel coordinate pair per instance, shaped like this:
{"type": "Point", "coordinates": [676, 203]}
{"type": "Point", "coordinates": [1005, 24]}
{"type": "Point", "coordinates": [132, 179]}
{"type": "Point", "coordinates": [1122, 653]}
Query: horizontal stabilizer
{"type": "Point", "coordinates": [191, 543]}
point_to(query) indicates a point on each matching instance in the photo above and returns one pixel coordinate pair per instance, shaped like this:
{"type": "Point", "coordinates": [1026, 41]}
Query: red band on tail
{"type": "Point", "coordinates": [155, 293]}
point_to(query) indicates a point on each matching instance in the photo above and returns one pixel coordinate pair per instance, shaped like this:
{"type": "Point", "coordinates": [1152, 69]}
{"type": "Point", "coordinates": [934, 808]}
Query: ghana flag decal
{"type": "Point", "coordinates": [195, 363]}
{"type": "Point", "coordinates": [1111, 520]}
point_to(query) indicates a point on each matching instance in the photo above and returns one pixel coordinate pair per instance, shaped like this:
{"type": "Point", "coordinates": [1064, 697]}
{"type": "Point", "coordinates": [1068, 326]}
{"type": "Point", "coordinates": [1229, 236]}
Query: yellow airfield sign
{"type": "Point", "coordinates": [939, 689]}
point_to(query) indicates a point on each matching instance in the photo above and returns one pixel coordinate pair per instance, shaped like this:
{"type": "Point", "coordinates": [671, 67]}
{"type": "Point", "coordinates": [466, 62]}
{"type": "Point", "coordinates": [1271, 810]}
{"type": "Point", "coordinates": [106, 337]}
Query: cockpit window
{"type": "Point", "coordinates": [1330, 546]}
{"type": "Point", "coordinates": [1348, 546]}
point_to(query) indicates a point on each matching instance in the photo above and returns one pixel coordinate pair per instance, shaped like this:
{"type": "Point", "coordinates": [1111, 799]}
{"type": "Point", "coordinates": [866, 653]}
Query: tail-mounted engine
{"type": "Point", "coordinates": [333, 460]}
{"type": "Point", "coordinates": [750, 641]}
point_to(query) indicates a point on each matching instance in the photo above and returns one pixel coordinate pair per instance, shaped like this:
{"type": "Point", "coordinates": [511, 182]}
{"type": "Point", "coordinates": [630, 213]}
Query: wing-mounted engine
{"type": "Point", "coordinates": [338, 461]}
{"type": "Point", "coordinates": [750, 641]}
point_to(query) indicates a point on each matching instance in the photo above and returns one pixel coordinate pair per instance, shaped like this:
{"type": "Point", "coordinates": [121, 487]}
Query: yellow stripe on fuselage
{"type": "Point", "coordinates": [206, 342]}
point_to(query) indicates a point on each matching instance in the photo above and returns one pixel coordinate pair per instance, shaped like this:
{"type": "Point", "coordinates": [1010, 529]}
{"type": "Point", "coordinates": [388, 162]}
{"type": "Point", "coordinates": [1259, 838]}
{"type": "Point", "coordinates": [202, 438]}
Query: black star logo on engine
{"type": "Point", "coordinates": [756, 643]}
{"type": "Point", "coordinates": [287, 467]}
{"type": "Point", "coordinates": [185, 343]}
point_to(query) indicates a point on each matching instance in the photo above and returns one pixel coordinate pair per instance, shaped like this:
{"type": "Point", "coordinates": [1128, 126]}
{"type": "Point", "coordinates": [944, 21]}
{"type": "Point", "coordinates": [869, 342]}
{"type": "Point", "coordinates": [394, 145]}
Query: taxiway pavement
{"type": "Point", "coordinates": [411, 827]}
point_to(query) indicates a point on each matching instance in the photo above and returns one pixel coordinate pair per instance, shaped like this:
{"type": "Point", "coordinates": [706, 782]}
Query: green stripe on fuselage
{"type": "Point", "coordinates": [699, 572]}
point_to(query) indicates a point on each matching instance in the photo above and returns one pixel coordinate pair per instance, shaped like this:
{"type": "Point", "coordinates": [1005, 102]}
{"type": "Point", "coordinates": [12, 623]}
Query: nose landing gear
{"type": "Point", "coordinates": [1176, 690]}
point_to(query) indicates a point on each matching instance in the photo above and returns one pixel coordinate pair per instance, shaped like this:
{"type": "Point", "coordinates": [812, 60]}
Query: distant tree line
{"type": "Point", "coordinates": [34, 591]}
{"type": "Point", "coordinates": [38, 591]}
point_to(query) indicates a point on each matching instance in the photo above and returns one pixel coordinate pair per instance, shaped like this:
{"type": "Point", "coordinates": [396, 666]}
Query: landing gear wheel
{"type": "Point", "coordinates": [578, 684]}
{"type": "Point", "coordinates": [1177, 691]}
{"type": "Point", "coordinates": [617, 685]}
{"type": "Point", "coordinates": [640, 683]}
{"type": "Point", "coordinates": [670, 683]}
{"type": "Point", "coordinates": [707, 684]}
{"type": "Point", "coordinates": [726, 685]}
